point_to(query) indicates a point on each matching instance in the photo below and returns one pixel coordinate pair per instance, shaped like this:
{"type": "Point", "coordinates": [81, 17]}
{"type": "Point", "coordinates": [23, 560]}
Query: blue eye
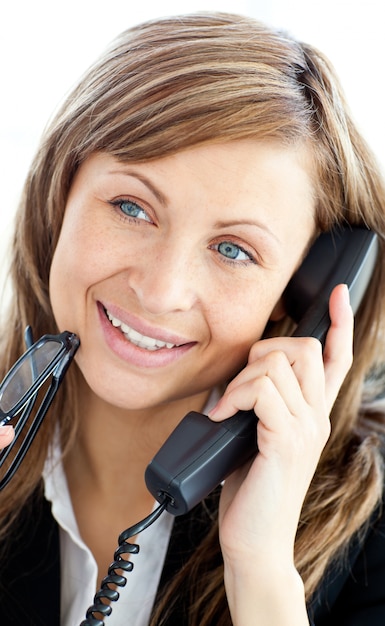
{"type": "Point", "coordinates": [132, 209]}
{"type": "Point", "coordinates": [233, 252]}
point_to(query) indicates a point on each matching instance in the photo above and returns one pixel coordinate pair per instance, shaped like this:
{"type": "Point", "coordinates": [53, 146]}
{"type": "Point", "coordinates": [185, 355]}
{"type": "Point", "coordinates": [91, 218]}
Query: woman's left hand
{"type": "Point", "coordinates": [292, 387]}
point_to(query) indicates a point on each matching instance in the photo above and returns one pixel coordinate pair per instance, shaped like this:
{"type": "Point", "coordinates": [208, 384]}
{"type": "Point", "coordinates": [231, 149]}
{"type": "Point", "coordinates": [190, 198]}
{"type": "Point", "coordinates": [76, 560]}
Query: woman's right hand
{"type": "Point", "coordinates": [7, 434]}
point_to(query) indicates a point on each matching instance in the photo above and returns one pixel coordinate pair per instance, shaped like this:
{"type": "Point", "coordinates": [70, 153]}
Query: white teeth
{"type": "Point", "coordinates": [142, 341]}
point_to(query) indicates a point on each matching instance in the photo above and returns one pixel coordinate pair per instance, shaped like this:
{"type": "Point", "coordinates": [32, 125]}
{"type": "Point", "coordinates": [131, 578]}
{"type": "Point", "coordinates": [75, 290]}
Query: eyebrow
{"type": "Point", "coordinates": [143, 179]}
{"type": "Point", "coordinates": [259, 225]}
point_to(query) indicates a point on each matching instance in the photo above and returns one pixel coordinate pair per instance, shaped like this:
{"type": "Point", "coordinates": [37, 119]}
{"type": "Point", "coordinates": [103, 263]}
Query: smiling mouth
{"type": "Point", "coordinates": [139, 340]}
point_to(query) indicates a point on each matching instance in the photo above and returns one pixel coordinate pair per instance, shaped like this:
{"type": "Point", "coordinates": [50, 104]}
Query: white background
{"type": "Point", "coordinates": [45, 46]}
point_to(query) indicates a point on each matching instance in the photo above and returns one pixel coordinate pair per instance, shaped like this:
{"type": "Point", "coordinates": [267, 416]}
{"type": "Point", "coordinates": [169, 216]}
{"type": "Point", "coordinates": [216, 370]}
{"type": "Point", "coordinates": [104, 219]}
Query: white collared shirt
{"type": "Point", "coordinates": [79, 569]}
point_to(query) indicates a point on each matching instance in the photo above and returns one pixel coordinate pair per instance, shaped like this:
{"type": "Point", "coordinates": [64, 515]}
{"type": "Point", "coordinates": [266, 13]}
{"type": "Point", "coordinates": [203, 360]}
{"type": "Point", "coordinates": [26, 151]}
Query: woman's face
{"type": "Point", "coordinates": [169, 270]}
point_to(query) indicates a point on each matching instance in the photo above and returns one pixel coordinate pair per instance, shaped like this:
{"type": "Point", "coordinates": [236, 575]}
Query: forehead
{"type": "Point", "coordinates": [235, 157]}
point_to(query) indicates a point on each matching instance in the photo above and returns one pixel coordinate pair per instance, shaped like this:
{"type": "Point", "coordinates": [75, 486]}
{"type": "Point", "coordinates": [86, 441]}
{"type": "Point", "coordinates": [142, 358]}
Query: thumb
{"type": "Point", "coordinates": [338, 351]}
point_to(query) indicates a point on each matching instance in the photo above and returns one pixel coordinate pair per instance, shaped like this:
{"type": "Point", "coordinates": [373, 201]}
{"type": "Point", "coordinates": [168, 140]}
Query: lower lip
{"type": "Point", "coordinates": [131, 353]}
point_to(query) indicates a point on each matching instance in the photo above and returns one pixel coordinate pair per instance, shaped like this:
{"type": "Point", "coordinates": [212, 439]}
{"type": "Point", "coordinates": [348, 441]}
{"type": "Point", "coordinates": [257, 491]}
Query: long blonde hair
{"type": "Point", "coordinates": [164, 86]}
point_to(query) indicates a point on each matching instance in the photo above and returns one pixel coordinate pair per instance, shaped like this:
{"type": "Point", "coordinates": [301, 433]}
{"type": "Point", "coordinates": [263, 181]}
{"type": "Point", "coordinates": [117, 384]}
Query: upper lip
{"type": "Point", "coordinates": [144, 328]}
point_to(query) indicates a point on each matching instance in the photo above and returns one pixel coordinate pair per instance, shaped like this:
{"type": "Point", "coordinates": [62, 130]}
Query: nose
{"type": "Point", "coordinates": [166, 282]}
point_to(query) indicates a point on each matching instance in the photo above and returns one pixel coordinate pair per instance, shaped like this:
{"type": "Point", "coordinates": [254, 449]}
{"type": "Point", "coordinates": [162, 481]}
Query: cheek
{"type": "Point", "coordinates": [61, 287]}
{"type": "Point", "coordinates": [79, 253]}
{"type": "Point", "coordinates": [237, 325]}
{"type": "Point", "coordinates": [70, 273]}
{"type": "Point", "coordinates": [239, 317]}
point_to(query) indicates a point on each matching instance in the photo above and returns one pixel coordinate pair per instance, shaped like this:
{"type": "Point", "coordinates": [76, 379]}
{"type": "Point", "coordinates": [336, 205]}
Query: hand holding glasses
{"type": "Point", "coordinates": [48, 358]}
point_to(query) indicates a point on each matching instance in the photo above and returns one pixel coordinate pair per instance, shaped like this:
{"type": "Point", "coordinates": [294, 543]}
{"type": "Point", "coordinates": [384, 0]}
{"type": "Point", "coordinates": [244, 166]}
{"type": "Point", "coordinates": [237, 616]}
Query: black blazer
{"type": "Point", "coordinates": [352, 594]}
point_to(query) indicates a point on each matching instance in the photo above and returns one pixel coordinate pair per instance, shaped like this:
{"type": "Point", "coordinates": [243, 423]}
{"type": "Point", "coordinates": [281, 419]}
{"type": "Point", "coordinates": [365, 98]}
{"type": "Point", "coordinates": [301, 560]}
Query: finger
{"type": "Point", "coordinates": [302, 354]}
{"type": "Point", "coordinates": [305, 357]}
{"type": "Point", "coordinates": [258, 394]}
{"type": "Point", "coordinates": [251, 387]}
{"type": "Point", "coordinates": [280, 430]}
{"type": "Point", "coordinates": [7, 434]}
{"type": "Point", "coordinates": [338, 352]}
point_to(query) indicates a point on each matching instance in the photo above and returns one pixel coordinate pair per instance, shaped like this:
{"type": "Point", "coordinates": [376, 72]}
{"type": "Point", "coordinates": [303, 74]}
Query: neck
{"type": "Point", "coordinates": [105, 468]}
{"type": "Point", "coordinates": [114, 443]}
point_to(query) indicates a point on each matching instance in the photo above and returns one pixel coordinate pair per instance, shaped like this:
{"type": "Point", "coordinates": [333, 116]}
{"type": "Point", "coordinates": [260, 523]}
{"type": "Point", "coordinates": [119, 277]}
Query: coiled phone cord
{"type": "Point", "coordinates": [113, 578]}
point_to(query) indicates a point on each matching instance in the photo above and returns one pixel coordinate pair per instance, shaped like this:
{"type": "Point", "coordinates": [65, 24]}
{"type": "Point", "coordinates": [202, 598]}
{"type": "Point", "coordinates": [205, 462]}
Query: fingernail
{"type": "Point", "coordinates": [215, 410]}
{"type": "Point", "coordinates": [346, 293]}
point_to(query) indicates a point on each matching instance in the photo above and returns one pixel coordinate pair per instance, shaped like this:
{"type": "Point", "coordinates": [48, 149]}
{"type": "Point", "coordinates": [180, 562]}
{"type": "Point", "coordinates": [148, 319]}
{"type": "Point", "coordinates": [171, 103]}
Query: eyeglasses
{"type": "Point", "coordinates": [48, 358]}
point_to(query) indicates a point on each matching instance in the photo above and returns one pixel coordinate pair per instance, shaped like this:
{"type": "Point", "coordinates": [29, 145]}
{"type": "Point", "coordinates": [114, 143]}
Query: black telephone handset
{"type": "Point", "coordinates": [200, 453]}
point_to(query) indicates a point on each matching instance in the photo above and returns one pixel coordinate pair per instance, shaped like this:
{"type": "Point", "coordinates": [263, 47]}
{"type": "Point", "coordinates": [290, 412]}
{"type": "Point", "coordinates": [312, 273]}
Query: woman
{"type": "Point", "coordinates": [171, 200]}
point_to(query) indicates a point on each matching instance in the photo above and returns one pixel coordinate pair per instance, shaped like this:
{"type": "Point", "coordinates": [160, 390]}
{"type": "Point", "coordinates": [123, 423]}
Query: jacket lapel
{"type": "Point", "coordinates": [30, 569]}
